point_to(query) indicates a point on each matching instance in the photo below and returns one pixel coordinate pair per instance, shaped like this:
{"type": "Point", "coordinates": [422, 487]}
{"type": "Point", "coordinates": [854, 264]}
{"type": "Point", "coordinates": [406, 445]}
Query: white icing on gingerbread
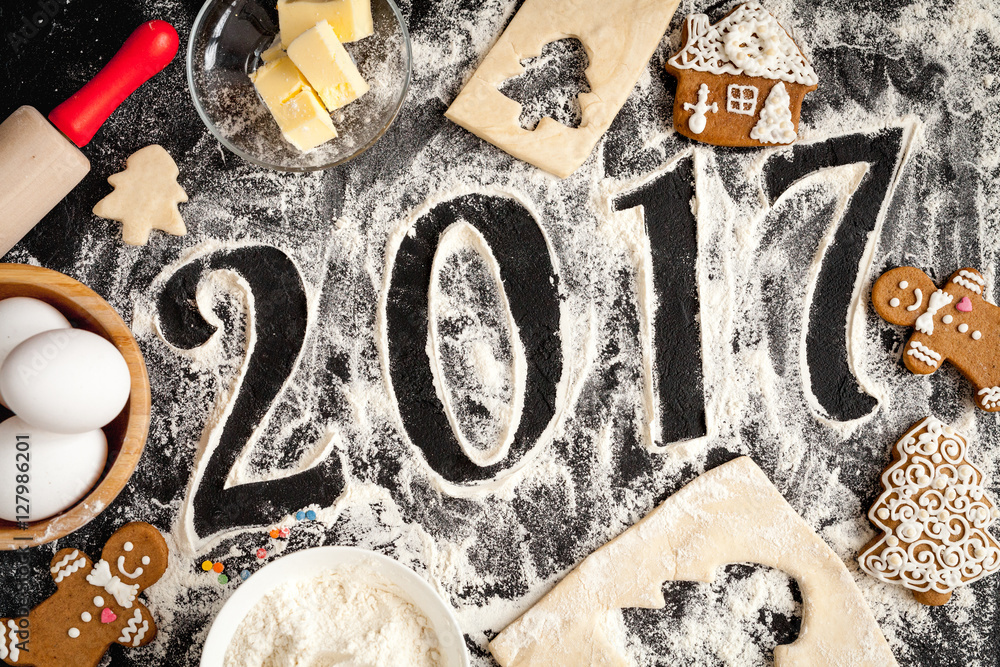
{"type": "Point", "coordinates": [894, 302]}
{"type": "Point", "coordinates": [963, 327]}
{"type": "Point", "coordinates": [73, 633]}
{"type": "Point", "coordinates": [919, 296]}
{"type": "Point", "coordinates": [976, 335]}
{"type": "Point", "coordinates": [938, 300]}
{"type": "Point", "coordinates": [698, 120]}
{"type": "Point", "coordinates": [65, 568]}
{"type": "Point", "coordinates": [86, 617]}
{"type": "Point", "coordinates": [923, 353]}
{"type": "Point", "coordinates": [121, 567]}
{"type": "Point", "coordinates": [938, 512]}
{"type": "Point", "coordinates": [146, 560]}
{"type": "Point", "coordinates": [991, 397]}
{"type": "Point", "coordinates": [128, 546]}
{"type": "Point", "coordinates": [100, 576]}
{"type": "Point", "coordinates": [970, 281]}
{"type": "Point", "coordinates": [775, 125]}
{"type": "Point", "coordinates": [947, 319]}
{"type": "Point", "coordinates": [98, 601]}
{"type": "Point", "coordinates": [748, 42]}
{"type": "Point", "coordinates": [133, 629]}
{"type": "Point", "coordinates": [903, 284]}
{"type": "Point", "coordinates": [13, 652]}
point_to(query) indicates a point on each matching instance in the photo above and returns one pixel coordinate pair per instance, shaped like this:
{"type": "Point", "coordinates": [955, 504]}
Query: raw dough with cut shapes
{"type": "Point", "coordinates": [732, 514]}
{"type": "Point", "coordinates": [619, 38]}
{"type": "Point", "coordinates": [145, 197]}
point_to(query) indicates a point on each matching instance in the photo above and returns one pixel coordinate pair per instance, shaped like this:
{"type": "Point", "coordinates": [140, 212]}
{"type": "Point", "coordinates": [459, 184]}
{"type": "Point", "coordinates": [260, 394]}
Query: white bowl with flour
{"type": "Point", "coordinates": [335, 605]}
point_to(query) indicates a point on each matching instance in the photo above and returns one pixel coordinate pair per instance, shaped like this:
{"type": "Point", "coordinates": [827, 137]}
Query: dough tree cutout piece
{"type": "Point", "coordinates": [619, 39]}
{"type": "Point", "coordinates": [145, 197]}
{"type": "Point", "coordinates": [732, 514]}
{"type": "Point", "coordinates": [743, 60]}
{"type": "Point", "coordinates": [954, 323]}
{"type": "Point", "coordinates": [94, 606]}
{"type": "Point", "coordinates": [933, 514]}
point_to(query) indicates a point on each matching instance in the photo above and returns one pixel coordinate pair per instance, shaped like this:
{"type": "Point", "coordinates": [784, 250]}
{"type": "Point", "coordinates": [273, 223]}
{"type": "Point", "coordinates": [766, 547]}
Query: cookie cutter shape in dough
{"type": "Point", "coordinates": [619, 38]}
{"type": "Point", "coordinates": [732, 514]}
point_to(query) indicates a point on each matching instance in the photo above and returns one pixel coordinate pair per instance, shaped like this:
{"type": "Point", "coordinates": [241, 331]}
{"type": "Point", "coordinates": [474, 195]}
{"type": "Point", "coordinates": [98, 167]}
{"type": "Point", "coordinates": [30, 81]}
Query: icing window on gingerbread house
{"type": "Point", "coordinates": [741, 99]}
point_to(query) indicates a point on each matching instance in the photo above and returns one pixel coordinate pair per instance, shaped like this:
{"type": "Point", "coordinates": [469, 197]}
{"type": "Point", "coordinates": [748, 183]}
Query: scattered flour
{"type": "Point", "coordinates": [494, 549]}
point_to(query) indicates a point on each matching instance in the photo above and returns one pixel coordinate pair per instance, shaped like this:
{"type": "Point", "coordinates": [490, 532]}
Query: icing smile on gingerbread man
{"type": "Point", "coordinates": [954, 323]}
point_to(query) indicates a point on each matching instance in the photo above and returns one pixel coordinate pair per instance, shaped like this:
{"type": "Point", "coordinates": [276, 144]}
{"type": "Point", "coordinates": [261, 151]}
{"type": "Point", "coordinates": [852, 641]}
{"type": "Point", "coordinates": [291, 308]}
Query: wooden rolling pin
{"type": "Point", "coordinates": [40, 162]}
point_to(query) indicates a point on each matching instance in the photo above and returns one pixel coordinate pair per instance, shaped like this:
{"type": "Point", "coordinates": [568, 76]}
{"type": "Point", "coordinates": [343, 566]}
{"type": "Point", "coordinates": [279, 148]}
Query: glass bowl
{"type": "Point", "coordinates": [226, 42]}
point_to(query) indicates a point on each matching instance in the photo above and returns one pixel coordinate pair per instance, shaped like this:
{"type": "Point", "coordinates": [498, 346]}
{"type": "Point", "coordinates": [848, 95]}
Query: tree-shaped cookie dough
{"type": "Point", "coordinates": [933, 514]}
{"type": "Point", "coordinates": [145, 197]}
{"type": "Point", "coordinates": [95, 604]}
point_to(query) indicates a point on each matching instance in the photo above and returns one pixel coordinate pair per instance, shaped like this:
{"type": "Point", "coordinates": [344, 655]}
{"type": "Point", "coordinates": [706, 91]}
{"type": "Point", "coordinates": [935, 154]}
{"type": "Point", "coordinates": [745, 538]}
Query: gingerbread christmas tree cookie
{"type": "Point", "coordinates": [933, 514]}
{"type": "Point", "coordinates": [740, 82]}
{"type": "Point", "coordinates": [955, 323]}
{"type": "Point", "coordinates": [95, 604]}
{"type": "Point", "coordinates": [145, 197]}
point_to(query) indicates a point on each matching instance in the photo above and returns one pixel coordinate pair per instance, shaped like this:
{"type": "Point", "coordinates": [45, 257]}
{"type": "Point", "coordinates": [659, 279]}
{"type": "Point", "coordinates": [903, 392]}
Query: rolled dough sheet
{"type": "Point", "coordinates": [732, 514]}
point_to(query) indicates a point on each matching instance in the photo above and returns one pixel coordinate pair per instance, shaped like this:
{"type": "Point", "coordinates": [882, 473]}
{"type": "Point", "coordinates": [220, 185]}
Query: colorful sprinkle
{"type": "Point", "coordinates": [274, 534]}
{"type": "Point", "coordinates": [311, 515]}
{"type": "Point", "coordinates": [223, 579]}
{"type": "Point", "coordinates": [207, 565]}
{"type": "Point", "coordinates": [300, 515]}
{"type": "Point", "coordinates": [284, 532]}
{"type": "Point", "coordinates": [244, 575]}
{"type": "Point", "coordinates": [262, 553]}
{"type": "Point", "coordinates": [219, 567]}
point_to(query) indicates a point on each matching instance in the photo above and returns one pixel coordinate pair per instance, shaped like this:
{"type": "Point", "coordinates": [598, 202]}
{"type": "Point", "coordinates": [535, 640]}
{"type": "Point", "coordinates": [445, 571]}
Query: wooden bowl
{"type": "Point", "coordinates": [126, 434]}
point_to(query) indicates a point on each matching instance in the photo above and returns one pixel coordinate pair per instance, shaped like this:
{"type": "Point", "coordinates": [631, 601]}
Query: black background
{"type": "Point", "coordinates": [66, 52]}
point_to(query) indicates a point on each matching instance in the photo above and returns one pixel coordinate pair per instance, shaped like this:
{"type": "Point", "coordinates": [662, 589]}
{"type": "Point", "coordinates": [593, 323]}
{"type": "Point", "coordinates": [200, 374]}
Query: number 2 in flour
{"type": "Point", "coordinates": [276, 331]}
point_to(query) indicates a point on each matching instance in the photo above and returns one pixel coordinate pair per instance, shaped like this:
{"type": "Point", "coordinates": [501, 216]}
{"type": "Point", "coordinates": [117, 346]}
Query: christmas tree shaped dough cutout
{"type": "Point", "coordinates": [933, 514]}
{"type": "Point", "coordinates": [145, 197]}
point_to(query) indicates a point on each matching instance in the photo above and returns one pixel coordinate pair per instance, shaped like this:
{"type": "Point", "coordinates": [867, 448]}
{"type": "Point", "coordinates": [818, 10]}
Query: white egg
{"type": "Point", "coordinates": [21, 318]}
{"type": "Point", "coordinates": [65, 381]}
{"type": "Point", "coordinates": [44, 473]}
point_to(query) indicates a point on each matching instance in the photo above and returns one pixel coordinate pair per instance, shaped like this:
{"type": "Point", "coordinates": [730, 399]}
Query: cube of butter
{"type": "Point", "coordinates": [327, 66]}
{"type": "Point", "coordinates": [350, 19]}
{"type": "Point", "coordinates": [273, 52]}
{"type": "Point", "coordinates": [293, 103]}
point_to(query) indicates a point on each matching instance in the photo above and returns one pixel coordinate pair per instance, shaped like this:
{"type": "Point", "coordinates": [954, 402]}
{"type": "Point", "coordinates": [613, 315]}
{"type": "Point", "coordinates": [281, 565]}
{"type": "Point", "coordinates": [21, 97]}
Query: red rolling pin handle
{"type": "Point", "coordinates": [147, 51]}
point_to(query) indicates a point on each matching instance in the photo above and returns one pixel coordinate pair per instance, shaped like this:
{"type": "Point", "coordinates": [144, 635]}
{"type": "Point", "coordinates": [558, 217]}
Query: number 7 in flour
{"type": "Point", "coordinates": [832, 298]}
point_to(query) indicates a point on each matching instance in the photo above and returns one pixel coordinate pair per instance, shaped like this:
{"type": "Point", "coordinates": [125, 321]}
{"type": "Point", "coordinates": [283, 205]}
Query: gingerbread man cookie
{"type": "Point", "coordinates": [95, 604]}
{"type": "Point", "coordinates": [954, 323]}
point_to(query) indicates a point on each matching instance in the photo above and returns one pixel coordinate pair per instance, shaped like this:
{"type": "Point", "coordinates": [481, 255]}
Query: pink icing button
{"type": "Point", "coordinates": [965, 305]}
{"type": "Point", "coordinates": [108, 616]}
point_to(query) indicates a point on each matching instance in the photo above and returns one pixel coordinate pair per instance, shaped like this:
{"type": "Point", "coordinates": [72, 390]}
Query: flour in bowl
{"type": "Point", "coordinates": [347, 617]}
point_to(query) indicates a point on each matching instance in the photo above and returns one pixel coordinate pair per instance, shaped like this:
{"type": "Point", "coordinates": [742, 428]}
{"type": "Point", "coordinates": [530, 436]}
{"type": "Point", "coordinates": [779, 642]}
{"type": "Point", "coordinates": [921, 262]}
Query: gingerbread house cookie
{"type": "Point", "coordinates": [741, 81]}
